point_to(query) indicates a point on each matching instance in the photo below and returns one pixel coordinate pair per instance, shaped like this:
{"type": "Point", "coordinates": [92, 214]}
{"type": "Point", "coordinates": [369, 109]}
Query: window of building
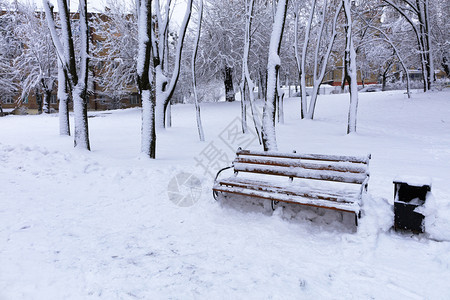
{"type": "Point", "coordinates": [100, 65]}
{"type": "Point", "coordinates": [25, 100]}
{"type": "Point", "coordinates": [38, 99]}
{"type": "Point", "coordinates": [8, 100]}
{"type": "Point", "coordinates": [330, 75]}
{"type": "Point", "coordinates": [53, 99]}
{"type": "Point", "coordinates": [134, 99]}
{"type": "Point", "coordinates": [415, 75]}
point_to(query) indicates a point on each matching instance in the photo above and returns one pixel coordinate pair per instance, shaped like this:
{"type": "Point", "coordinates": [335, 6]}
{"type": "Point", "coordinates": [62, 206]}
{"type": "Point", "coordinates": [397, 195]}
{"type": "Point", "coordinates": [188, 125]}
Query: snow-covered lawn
{"type": "Point", "coordinates": [100, 224]}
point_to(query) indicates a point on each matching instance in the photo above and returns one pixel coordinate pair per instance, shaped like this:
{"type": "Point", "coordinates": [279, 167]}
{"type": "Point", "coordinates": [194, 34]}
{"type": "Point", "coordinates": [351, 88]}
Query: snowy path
{"type": "Point", "coordinates": [77, 225]}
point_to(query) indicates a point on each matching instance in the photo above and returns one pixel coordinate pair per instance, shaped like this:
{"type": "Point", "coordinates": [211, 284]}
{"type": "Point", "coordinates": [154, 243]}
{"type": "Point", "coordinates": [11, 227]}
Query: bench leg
{"type": "Point", "coordinates": [357, 216]}
{"type": "Point", "coordinates": [274, 203]}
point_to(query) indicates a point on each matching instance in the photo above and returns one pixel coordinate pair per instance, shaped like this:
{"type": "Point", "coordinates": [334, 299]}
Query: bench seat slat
{"type": "Point", "coordinates": [341, 206]}
{"type": "Point", "coordinates": [287, 162]}
{"type": "Point", "coordinates": [356, 178]}
{"type": "Point", "coordinates": [322, 157]}
{"type": "Point", "coordinates": [345, 196]}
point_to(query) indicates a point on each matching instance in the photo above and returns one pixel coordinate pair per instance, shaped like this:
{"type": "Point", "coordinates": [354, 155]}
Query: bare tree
{"type": "Point", "coordinates": [115, 51]}
{"type": "Point", "coordinates": [201, 134]}
{"type": "Point", "coordinates": [37, 64]}
{"type": "Point", "coordinates": [247, 81]}
{"type": "Point", "coordinates": [223, 39]}
{"type": "Point", "coordinates": [164, 88]}
{"type": "Point", "coordinates": [77, 78]}
{"type": "Point", "coordinates": [371, 46]}
{"type": "Point", "coordinates": [304, 102]}
{"type": "Point", "coordinates": [9, 48]}
{"type": "Point", "coordinates": [416, 13]}
{"type": "Point", "coordinates": [439, 14]}
{"type": "Point", "coordinates": [298, 58]}
{"type": "Point", "coordinates": [350, 68]}
{"type": "Point", "coordinates": [321, 56]}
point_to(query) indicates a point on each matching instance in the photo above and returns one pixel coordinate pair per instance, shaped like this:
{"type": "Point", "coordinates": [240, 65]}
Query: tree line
{"type": "Point", "coordinates": [251, 46]}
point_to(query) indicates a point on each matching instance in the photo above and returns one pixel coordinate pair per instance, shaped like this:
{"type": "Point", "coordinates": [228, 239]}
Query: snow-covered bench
{"type": "Point", "coordinates": [328, 181]}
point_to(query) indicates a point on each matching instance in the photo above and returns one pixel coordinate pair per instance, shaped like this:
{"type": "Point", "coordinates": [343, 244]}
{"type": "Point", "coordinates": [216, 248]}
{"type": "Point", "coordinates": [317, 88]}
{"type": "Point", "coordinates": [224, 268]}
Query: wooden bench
{"type": "Point", "coordinates": [328, 181]}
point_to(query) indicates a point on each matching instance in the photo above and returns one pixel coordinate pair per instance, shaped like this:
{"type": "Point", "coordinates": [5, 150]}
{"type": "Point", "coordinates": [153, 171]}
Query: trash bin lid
{"type": "Point", "coordinates": [418, 181]}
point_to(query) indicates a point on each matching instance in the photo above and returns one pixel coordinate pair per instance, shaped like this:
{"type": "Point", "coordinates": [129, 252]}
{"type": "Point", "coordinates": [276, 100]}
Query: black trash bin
{"type": "Point", "coordinates": [409, 194]}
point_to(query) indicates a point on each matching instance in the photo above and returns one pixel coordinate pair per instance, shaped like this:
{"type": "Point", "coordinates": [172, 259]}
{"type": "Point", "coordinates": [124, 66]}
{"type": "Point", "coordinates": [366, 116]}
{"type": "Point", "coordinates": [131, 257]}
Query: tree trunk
{"type": "Point", "coordinates": [273, 65]}
{"type": "Point", "coordinates": [80, 96]}
{"type": "Point", "coordinates": [350, 69]}
{"type": "Point", "coordinates": [47, 96]}
{"type": "Point", "coordinates": [288, 84]}
{"type": "Point", "coordinates": [280, 99]}
{"type": "Point", "coordinates": [385, 75]}
{"type": "Point", "coordinates": [281, 108]}
{"type": "Point", "coordinates": [148, 133]}
{"type": "Point", "coordinates": [160, 93]}
{"type": "Point", "coordinates": [198, 118]}
{"type": "Point", "coordinates": [169, 115]}
{"type": "Point", "coordinates": [261, 85]}
{"type": "Point", "coordinates": [81, 136]}
{"type": "Point", "coordinates": [424, 52]}
{"type": "Point", "coordinates": [63, 113]}
{"type": "Point", "coordinates": [297, 57]}
{"type": "Point", "coordinates": [243, 90]}
{"type": "Point", "coordinates": [249, 85]}
{"type": "Point", "coordinates": [425, 39]}
{"type": "Point", "coordinates": [228, 81]}
{"type": "Point", "coordinates": [383, 82]}
{"type": "Point", "coordinates": [343, 78]}
{"type": "Point", "coordinates": [446, 65]}
{"type": "Point", "coordinates": [304, 51]}
{"type": "Point", "coordinates": [39, 98]}
{"type": "Point", "coordinates": [40, 107]}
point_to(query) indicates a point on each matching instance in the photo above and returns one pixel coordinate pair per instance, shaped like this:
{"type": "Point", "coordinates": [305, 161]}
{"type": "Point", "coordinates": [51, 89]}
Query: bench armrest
{"type": "Point", "coordinates": [215, 179]}
{"type": "Point", "coordinates": [220, 171]}
{"type": "Point", "coordinates": [364, 186]}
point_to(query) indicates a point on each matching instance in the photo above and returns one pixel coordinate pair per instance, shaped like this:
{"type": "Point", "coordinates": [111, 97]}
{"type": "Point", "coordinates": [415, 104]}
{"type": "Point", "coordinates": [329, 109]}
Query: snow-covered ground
{"type": "Point", "coordinates": [105, 224]}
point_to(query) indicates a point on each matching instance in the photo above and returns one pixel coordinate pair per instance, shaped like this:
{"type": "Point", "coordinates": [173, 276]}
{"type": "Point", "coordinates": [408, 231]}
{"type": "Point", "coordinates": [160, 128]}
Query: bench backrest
{"type": "Point", "coordinates": [337, 168]}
